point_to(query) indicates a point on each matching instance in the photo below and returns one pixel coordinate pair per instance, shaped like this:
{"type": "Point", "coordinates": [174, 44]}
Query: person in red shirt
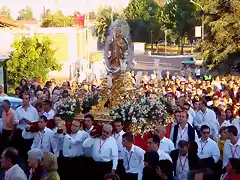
{"type": "Point", "coordinates": [233, 170]}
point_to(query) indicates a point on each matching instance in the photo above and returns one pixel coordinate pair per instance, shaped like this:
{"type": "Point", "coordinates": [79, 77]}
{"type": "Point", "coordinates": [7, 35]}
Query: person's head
{"type": "Point", "coordinates": [196, 104]}
{"type": "Point", "coordinates": [49, 162]}
{"type": "Point", "coordinates": [160, 131]}
{"type": "Point", "coordinates": [229, 114]}
{"type": "Point", "coordinates": [184, 117]}
{"type": "Point", "coordinates": [223, 132]}
{"type": "Point", "coordinates": [186, 107]}
{"type": "Point", "coordinates": [47, 93]}
{"type": "Point", "coordinates": [232, 131]}
{"type": "Point", "coordinates": [221, 115]}
{"type": "Point", "coordinates": [177, 115]}
{"type": "Point", "coordinates": [233, 166]}
{"type": "Point", "coordinates": [76, 126]}
{"type": "Point", "coordinates": [29, 81]}
{"type": "Point", "coordinates": [106, 131]}
{"type": "Point", "coordinates": [6, 105]}
{"type": "Point", "coordinates": [17, 91]}
{"type": "Point", "coordinates": [65, 94]}
{"type": "Point", "coordinates": [88, 120]}
{"type": "Point", "coordinates": [118, 125]}
{"type": "Point", "coordinates": [127, 140]}
{"type": "Point", "coordinates": [31, 92]}
{"type": "Point", "coordinates": [111, 176]}
{"type": "Point", "coordinates": [203, 174]}
{"type": "Point", "coordinates": [39, 94]}
{"type": "Point", "coordinates": [25, 98]}
{"type": "Point", "coordinates": [183, 146]}
{"type": "Point", "coordinates": [23, 82]}
{"type": "Point", "coordinates": [203, 104]}
{"type": "Point", "coordinates": [47, 105]}
{"type": "Point", "coordinates": [151, 159]}
{"type": "Point", "coordinates": [39, 106]}
{"type": "Point", "coordinates": [57, 119]}
{"type": "Point", "coordinates": [205, 132]}
{"type": "Point", "coordinates": [153, 142]}
{"type": "Point", "coordinates": [35, 157]}
{"type": "Point", "coordinates": [48, 84]}
{"type": "Point", "coordinates": [165, 169]}
{"type": "Point", "coordinates": [42, 122]}
{"type": "Point", "coordinates": [9, 158]}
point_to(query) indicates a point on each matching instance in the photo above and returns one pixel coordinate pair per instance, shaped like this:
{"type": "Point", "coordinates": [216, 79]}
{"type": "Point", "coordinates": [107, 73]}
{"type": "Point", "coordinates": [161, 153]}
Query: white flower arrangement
{"type": "Point", "coordinates": [143, 113]}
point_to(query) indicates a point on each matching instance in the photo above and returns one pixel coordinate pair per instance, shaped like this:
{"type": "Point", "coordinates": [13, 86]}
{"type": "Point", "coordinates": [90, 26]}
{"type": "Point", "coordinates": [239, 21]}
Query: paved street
{"type": "Point", "coordinates": [166, 63]}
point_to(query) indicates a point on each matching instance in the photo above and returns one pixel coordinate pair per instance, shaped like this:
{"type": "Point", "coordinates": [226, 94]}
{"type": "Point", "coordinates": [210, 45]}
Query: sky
{"type": "Point", "coordinates": [66, 6]}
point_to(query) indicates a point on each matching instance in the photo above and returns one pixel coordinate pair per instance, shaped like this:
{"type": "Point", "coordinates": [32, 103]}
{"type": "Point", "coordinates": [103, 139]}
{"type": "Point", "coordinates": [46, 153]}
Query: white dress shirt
{"type": "Point", "coordinates": [182, 167]}
{"type": "Point", "coordinates": [163, 156]}
{"type": "Point", "coordinates": [190, 119]}
{"type": "Point", "coordinates": [88, 151]}
{"type": "Point", "coordinates": [230, 151]}
{"type": "Point", "coordinates": [30, 114]}
{"type": "Point", "coordinates": [208, 148]}
{"type": "Point", "coordinates": [72, 144]}
{"type": "Point", "coordinates": [182, 134]}
{"type": "Point", "coordinates": [103, 151]}
{"type": "Point", "coordinates": [50, 114]}
{"type": "Point", "coordinates": [118, 138]}
{"type": "Point", "coordinates": [42, 140]}
{"type": "Point", "coordinates": [166, 145]}
{"type": "Point", "coordinates": [207, 118]}
{"type": "Point", "coordinates": [57, 142]}
{"type": "Point", "coordinates": [133, 161]}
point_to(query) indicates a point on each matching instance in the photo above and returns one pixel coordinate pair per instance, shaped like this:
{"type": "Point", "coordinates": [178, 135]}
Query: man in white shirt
{"type": "Point", "coordinates": [48, 112]}
{"type": "Point", "coordinates": [117, 135]}
{"type": "Point", "coordinates": [73, 151]}
{"type": "Point", "coordinates": [166, 144]}
{"type": "Point", "coordinates": [41, 139]}
{"type": "Point", "coordinates": [24, 115]}
{"type": "Point", "coordinates": [104, 152]}
{"type": "Point", "coordinates": [186, 107]}
{"type": "Point", "coordinates": [206, 116]}
{"type": "Point", "coordinates": [208, 151]}
{"type": "Point", "coordinates": [153, 145]}
{"type": "Point", "coordinates": [133, 158]}
{"type": "Point", "coordinates": [236, 123]}
{"type": "Point", "coordinates": [231, 146]}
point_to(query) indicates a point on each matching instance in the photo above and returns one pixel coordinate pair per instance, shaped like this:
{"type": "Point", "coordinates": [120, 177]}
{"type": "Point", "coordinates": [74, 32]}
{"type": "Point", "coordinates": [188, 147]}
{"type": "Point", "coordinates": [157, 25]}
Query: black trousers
{"type": "Point", "coordinates": [88, 168]}
{"type": "Point", "coordinates": [131, 176]}
{"type": "Point", "coordinates": [101, 169]}
{"type": "Point", "coordinates": [72, 168]}
{"type": "Point", "coordinates": [120, 169]}
{"type": "Point", "coordinates": [5, 142]}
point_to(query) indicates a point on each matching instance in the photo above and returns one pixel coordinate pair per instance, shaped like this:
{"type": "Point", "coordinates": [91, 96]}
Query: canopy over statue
{"type": "Point", "coordinates": [118, 53]}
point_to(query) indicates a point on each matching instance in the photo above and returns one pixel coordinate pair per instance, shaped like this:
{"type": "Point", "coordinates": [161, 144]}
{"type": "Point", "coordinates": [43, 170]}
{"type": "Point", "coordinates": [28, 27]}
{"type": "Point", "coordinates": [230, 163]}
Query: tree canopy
{"type": "Point", "coordinates": [57, 19]}
{"type": "Point", "coordinates": [5, 12]}
{"type": "Point", "coordinates": [222, 26]}
{"type": "Point", "coordinates": [31, 57]}
{"type": "Point", "coordinates": [26, 14]}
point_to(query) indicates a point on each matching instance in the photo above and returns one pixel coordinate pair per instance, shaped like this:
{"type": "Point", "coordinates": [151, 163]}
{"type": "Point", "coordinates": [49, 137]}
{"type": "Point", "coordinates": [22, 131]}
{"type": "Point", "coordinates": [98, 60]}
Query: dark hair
{"type": "Point", "coordinates": [166, 167]}
{"type": "Point", "coordinates": [155, 138]}
{"type": "Point", "coordinates": [235, 163]}
{"type": "Point", "coordinates": [152, 158]}
{"type": "Point", "coordinates": [89, 116]}
{"type": "Point", "coordinates": [183, 143]}
{"type": "Point", "coordinates": [204, 127]}
{"type": "Point", "coordinates": [21, 82]}
{"type": "Point", "coordinates": [128, 136]}
{"type": "Point", "coordinates": [233, 130]}
{"type": "Point", "coordinates": [18, 89]}
{"type": "Point", "coordinates": [111, 176]}
{"type": "Point", "coordinates": [119, 121]}
{"type": "Point", "coordinates": [57, 115]}
{"type": "Point", "coordinates": [186, 104]}
{"type": "Point", "coordinates": [43, 117]}
{"type": "Point", "coordinates": [207, 173]}
{"type": "Point", "coordinates": [38, 103]}
{"type": "Point", "coordinates": [46, 90]}
{"type": "Point", "coordinates": [48, 102]}
{"type": "Point", "coordinates": [204, 102]}
{"type": "Point", "coordinates": [6, 101]}
{"type": "Point", "coordinates": [177, 111]}
{"type": "Point", "coordinates": [12, 154]}
{"type": "Point", "coordinates": [194, 101]}
{"type": "Point", "coordinates": [47, 83]}
{"type": "Point", "coordinates": [65, 91]}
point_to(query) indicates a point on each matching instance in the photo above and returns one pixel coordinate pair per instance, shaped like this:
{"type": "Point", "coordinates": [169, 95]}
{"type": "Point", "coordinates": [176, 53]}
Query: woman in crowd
{"type": "Point", "coordinates": [50, 167]}
{"type": "Point", "coordinates": [233, 170]}
{"type": "Point", "coordinates": [35, 157]}
{"type": "Point", "coordinates": [22, 83]}
{"type": "Point", "coordinates": [32, 96]}
{"type": "Point", "coordinates": [47, 93]}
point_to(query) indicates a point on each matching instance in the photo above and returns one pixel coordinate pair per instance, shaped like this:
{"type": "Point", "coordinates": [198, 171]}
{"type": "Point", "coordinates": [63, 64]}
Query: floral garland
{"type": "Point", "coordinates": [143, 113]}
{"type": "Point", "coordinates": [67, 108]}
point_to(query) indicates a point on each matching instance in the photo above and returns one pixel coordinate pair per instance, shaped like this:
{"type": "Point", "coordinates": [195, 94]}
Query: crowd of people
{"type": "Point", "coordinates": [202, 144]}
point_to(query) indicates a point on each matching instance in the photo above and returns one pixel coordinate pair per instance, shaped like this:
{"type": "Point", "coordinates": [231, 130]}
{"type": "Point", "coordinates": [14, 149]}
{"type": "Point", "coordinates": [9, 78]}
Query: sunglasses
{"type": "Point", "coordinates": [205, 132]}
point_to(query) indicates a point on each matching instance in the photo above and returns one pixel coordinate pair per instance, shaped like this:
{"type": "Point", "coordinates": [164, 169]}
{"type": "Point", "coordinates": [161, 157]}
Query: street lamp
{"type": "Point", "coordinates": [199, 5]}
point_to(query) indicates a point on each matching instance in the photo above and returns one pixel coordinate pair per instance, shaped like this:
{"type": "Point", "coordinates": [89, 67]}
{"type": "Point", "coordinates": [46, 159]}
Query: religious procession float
{"type": "Point", "coordinates": [116, 97]}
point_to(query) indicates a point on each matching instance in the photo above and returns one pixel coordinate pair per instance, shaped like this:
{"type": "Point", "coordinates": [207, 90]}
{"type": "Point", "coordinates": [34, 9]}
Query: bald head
{"type": "Point", "coordinates": [106, 131]}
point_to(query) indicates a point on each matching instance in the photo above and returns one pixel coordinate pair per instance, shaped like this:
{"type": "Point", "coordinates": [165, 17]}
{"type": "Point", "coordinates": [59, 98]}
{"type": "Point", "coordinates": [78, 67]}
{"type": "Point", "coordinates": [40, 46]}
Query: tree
{"type": "Point", "coordinates": [222, 38]}
{"type": "Point", "coordinates": [180, 17]}
{"type": "Point", "coordinates": [5, 12]}
{"type": "Point", "coordinates": [92, 15]}
{"type": "Point", "coordinates": [46, 12]}
{"type": "Point", "coordinates": [25, 14]}
{"type": "Point", "coordinates": [32, 58]}
{"type": "Point", "coordinates": [57, 20]}
{"type": "Point", "coordinates": [103, 21]}
{"type": "Point", "coordinates": [142, 16]}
